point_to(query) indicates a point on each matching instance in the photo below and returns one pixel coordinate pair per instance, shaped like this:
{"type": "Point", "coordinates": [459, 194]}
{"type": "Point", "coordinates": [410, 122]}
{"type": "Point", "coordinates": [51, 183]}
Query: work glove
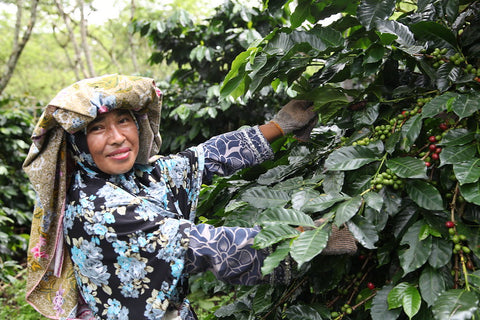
{"type": "Point", "coordinates": [341, 240]}
{"type": "Point", "coordinates": [296, 117]}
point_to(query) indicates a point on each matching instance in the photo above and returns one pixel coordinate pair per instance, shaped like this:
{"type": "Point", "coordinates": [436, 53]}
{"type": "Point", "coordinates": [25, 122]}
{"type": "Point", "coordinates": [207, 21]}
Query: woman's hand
{"type": "Point", "coordinates": [296, 116]}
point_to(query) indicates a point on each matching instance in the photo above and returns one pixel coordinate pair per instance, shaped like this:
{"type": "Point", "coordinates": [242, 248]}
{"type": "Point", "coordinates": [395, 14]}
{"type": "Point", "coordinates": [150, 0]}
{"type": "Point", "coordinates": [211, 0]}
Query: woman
{"type": "Point", "coordinates": [113, 234]}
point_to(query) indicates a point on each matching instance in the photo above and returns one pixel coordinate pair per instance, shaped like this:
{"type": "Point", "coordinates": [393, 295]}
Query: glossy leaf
{"type": "Point", "coordinates": [363, 231]}
{"type": "Point", "coordinates": [467, 171]}
{"type": "Point", "coordinates": [371, 11]}
{"type": "Point", "coordinates": [273, 234]}
{"type": "Point", "coordinates": [280, 215]}
{"type": "Point", "coordinates": [347, 209]}
{"type": "Point", "coordinates": [471, 192]}
{"type": "Point", "coordinates": [456, 154]}
{"type": "Point", "coordinates": [424, 194]}
{"type": "Point", "coordinates": [410, 131]}
{"type": "Point", "coordinates": [302, 312]}
{"type": "Point", "coordinates": [320, 203]}
{"type": "Point", "coordinates": [441, 253]}
{"type": "Point", "coordinates": [466, 104]}
{"type": "Point", "coordinates": [308, 245]}
{"type": "Point", "coordinates": [433, 31]}
{"type": "Point", "coordinates": [353, 157]}
{"type": "Point", "coordinates": [405, 295]}
{"type": "Point", "coordinates": [274, 259]}
{"type": "Point", "coordinates": [431, 284]}
{"type": "Point", "coordinates": [380, 307]}
{"type": "Point", "coordinates": [408, 167]}
{"type": "Point", "coordinates": [404, 36]}
{"type": "Point", "coordinates": [438, 104]}
{"type": "Point", "coordinates": [417, 252]}
{"type": "Point", "coordinates": [457, 137]}
{"type": "Point", "coordinates": [263, 197]}
{"type": "Point", "coordinates": [456, 304]}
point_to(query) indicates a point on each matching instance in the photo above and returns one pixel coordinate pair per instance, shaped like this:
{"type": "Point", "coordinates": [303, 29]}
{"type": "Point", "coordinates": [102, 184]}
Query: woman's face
{"type": "Point", "coordinates": [112, 140]}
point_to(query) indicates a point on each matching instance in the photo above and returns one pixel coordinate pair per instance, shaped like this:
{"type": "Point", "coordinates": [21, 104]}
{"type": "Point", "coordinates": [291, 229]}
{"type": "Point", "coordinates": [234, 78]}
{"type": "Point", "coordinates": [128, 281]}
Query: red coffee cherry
{"type": "Point", "coordinates": [449, 224]}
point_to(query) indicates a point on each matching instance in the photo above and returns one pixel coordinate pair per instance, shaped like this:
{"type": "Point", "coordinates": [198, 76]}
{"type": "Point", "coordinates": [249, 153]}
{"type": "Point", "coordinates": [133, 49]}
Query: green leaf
{"type": "Point", "coordinates": [404, 35]}
{"type": "Point", "coordinates": [433, 31]}
{"type": "Point", "coordinates": [280, 215]}
{"type": "Point", "coordinates": [302, 312]}
{"type": "Point", "coordinates": [410, 131]}
{"type": "Point", "coordinates": [354, 157]}
{"type": "Point", "coordinates": [374, 201]}
{"type": "Point", "coordinates": [396, 294]}
{"type": "Point", "coordinates": [363, 231]}
{"type": "Point", "coordinates": [457, 137]}
{"type": "Point", "coordinates": [347, 209]}
{"type": "Point", "coordinates": [408, 167]}
{"type": "Point", "coordinates": [302, 11]}
{"type": "Point", "coordinates": [326, 95]}
{"type": "Point", "coordinates": [369, 12]}
{"type": "Point", "coordinates": [411, 301]}
{"type": "Point", "coordinates": [320, 203]}
{"type": "Point", "coordinates": [274, 259]}
{"type": "Point", "coordinates": [441, 253]}
{"type": "Point", "coordinates": [471, 192]}
{"type": "Point", "coordinates": [380, 308]}
{"type": "Point", "coordinates": [466, 104]}
{"type": "Point", "coordinates": [308, 245]}
{"type": "Point", "coordinates": [457, 154]}
{"type": "Point", "coordinates": [417, 252]}
{"type": "Point", "coordinates": [456, 304]}
{"type": "Point", "coordinates": [234, 80]}
{"type": "Point", "coordinates": [275, 174]}
{"type": "Point", "coordinates": [424, 194]}
{"type": "Point", "coordinates": [264, 197]}
{"type": "Point", "coordinates": [431, 284]}
{"type": "Point", "coordinates": [438, 104]}
{"type": "Point", "coordinates": [467, 171]}
{"type": "Point", "coordinates": [263, 299]}
{"type": "Point", "coordinates": [273, 234]}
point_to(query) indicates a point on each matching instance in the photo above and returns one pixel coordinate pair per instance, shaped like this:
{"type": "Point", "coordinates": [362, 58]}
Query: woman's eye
{"type": "Point", "coordinates": [94, 128]}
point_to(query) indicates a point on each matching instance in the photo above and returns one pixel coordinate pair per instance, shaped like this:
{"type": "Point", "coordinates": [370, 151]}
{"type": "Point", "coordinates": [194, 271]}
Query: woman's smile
{"type": "Point", "coordinates": [113, 141]}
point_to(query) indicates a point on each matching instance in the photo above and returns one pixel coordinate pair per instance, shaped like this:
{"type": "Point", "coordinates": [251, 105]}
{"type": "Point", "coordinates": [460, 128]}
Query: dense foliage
{"type": "Point", "coordinates": [203, 53]}
{"type": "Point", "coordinates": [395, 160]}
{"type": "Point", "coordinates": [15, 194]}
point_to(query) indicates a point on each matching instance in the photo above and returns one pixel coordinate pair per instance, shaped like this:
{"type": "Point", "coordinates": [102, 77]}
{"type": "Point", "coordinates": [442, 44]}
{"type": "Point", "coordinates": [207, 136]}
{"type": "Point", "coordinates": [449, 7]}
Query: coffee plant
{"type": "Point", "coordinates": [395, 157]}
{"type": "Point", "coordinates": [16, 196]}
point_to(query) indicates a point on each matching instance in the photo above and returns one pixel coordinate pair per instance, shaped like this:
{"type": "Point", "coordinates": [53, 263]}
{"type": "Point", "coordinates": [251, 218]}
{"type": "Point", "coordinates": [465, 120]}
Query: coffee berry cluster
{"type": "Point", "coordinates": [459, 240]}
{"type": "Point", "coordinates": [387, 178]}
{"type": "Point", "coordinates": [440, 58]}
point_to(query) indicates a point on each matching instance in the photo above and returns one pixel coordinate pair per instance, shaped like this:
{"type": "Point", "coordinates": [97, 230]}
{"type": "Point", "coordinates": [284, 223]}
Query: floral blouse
{"type": "Point", "coordinates": [133, 241]}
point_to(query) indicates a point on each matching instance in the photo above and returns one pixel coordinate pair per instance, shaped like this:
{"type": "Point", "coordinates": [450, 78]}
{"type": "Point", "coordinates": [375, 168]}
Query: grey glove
{"type": "Point", "coordinates": [295, 116]}
{"type": "Point", "coordinates": [341, 241]}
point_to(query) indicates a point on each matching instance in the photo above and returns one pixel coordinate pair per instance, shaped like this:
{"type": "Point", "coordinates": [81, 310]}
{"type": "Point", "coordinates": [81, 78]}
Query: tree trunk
{"type": "Point", "coordinates": [18, 44]}
{"type": "Point", "coordinates": [78, 59]}
{"type": "Point", "coordinates": [83, 33]}
{"type": "Point", "coordinates": [130, 38]}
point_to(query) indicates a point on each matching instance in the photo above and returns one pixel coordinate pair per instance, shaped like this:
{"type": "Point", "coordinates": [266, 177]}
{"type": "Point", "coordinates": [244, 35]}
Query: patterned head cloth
{"type": "Point", "coordinates": [50, 275]}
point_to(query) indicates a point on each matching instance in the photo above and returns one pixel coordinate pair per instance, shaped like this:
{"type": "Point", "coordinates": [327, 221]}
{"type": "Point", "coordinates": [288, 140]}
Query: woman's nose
{"type": "Point", "coordinates": [115, 135]}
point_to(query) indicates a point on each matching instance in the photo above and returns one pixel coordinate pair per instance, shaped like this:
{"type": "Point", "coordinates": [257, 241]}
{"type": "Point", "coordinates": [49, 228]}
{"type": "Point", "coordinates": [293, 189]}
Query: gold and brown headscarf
{"type": "Point", "coordinates": [50, 271]}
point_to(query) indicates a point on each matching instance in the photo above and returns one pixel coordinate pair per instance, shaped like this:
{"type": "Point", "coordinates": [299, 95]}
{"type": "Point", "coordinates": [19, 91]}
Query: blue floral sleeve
{"type": "Point", "coordinates": [227, 252]}
{"type": "Point", "coordinates": [227, 153]}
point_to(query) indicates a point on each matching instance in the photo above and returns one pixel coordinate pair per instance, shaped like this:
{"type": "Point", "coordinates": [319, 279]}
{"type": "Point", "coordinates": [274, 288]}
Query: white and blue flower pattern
{"type": "Point", "coordinates": [131, 236]}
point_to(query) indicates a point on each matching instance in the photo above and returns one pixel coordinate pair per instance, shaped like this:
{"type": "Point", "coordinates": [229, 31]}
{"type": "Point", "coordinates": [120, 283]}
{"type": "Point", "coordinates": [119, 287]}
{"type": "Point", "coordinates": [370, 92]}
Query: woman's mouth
{"type": "Point", "coordinates": [119, 154]}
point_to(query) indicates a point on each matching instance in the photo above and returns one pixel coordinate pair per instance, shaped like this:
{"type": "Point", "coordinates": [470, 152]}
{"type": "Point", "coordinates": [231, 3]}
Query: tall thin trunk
{"type": "Point", "coordinates": [78, 59]}
{"type": "Point", "coordinates": [18, 44]}
{"type": "Point", "coordinates": [83, 33]}
{"type": "Point", "coordinates": [131, 42]}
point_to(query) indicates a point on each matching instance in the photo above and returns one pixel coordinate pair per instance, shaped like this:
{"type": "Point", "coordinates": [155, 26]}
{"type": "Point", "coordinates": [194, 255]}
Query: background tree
{"type": "Point", "coordinates": [20, 38]}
